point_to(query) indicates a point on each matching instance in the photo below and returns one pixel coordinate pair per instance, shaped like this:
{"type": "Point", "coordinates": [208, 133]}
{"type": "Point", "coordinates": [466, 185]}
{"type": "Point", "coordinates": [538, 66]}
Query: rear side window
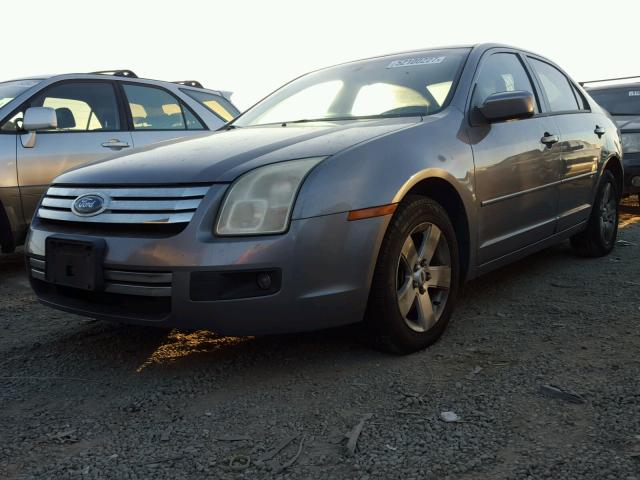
{"type": "Point", "coordinates": [81, 106]}
{"type": "Point", "coordinates": [155, 109]}
{"type": "Point", "coordinates": [556, 86]}
{"type": "Point", "coordinates": [501, 72]}
{"type": "Point", "coordinates": [215, 103]}
{"type": "Point", "coordinates": [582, 102]}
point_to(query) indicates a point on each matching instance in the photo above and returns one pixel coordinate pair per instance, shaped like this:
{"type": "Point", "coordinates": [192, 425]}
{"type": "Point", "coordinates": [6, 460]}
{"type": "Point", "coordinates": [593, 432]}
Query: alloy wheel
{"type": "Point", "coordinates": [608, 213]}
{"type": "Point", "coordinates": [423, 277]}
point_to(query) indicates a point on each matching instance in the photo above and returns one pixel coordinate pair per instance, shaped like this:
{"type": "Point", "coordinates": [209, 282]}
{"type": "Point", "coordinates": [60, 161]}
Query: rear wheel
{"type": "Point", "coordinates": [601, 233]}
{"type": "Point", "coordinates": [416, 278]}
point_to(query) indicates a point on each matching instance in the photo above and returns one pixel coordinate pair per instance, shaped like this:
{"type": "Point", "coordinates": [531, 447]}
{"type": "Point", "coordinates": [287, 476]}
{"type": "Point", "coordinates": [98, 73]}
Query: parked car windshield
{"type": "Point", "coordinates": [10, 90]}
{"type": "Point", "coordinates": [619, 101]}
{"type": "Point", "coordinates": [414, 84]}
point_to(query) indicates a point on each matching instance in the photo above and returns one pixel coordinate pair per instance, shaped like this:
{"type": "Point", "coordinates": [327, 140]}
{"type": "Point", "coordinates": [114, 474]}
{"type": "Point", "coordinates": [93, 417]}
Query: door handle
{"type": "Point", "coordinates": [599, 131]}
{"type": "Point", "coordinates": [115, 143]}
{"type": "Point", "coordinates": [549, 139]}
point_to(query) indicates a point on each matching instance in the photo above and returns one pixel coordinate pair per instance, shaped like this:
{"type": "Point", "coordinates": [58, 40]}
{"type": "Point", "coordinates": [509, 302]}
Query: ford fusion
{"type": "Point", "coordinates": [361, 193]}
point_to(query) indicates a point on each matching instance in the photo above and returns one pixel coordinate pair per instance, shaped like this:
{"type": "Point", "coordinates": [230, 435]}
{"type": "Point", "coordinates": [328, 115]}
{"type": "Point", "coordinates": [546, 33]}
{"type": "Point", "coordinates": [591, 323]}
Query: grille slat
{"type": "Point", "coordinates": [142, 206]}
{"type": "Point", "coordinates": [146, 284]}
{"type": "Point", "coordinates": [128, 218]}
{"type": "Point", "coordinates": [129, 205]}
{"type": "Point", "coordinates": [121, 192]}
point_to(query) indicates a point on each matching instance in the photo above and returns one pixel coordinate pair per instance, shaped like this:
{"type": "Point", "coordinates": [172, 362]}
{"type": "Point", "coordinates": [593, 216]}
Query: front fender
{"type": "Point", "coordinates": [384, 169]}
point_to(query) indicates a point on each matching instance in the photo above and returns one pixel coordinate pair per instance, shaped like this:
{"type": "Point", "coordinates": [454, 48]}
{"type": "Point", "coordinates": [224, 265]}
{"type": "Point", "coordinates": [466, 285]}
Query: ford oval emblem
{"type": "Point", "coordinates": [89, 204]}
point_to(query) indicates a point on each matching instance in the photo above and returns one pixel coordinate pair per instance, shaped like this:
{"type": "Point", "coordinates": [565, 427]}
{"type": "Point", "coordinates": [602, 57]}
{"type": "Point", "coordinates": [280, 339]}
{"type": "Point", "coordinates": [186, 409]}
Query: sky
{"type": "Point", "coordinates": [251, 47]}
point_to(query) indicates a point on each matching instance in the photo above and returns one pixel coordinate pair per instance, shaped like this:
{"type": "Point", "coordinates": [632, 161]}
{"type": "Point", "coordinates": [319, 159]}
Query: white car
{"type": "Point", "coordinates": [49, 125]}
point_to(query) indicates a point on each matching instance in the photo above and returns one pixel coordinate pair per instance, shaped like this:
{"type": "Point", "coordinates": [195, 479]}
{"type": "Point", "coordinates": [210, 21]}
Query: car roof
{"type": "Point", "coordinates": [186, 84]}
{"type": "Point", "coordinates": [475, 46]}
{"type": "Point", "coordinates": [614, 86]}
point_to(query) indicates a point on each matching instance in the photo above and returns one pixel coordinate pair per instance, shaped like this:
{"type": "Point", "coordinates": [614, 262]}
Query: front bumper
{"type": "Point", "coordinates": [325, 263]}
{"type": "Point", "coordinates": [631, 171]}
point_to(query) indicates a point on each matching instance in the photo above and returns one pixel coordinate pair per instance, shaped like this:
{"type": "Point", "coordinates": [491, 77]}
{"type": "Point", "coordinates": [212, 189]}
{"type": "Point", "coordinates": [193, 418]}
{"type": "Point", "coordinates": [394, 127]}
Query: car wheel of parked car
{"type": "Point", "coordinates": [599, 238]}
{"type": "Point", "coordinates": [415, 280]}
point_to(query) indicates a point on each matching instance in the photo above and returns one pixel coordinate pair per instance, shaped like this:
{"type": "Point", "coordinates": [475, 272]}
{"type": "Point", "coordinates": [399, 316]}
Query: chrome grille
{"type": "Point", "coordinates": [142, 205]}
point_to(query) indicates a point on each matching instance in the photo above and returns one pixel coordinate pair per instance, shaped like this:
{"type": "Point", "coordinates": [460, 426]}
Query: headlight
{"type": "Point", "coordinates": [630, 142]}
{"type": "Point", "coordinates": [260, 201]}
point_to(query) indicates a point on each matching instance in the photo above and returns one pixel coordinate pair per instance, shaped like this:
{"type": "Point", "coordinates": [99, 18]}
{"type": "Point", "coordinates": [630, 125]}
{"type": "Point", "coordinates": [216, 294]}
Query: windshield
{"type": "Point", "coordinates": [408, 85]}
{"type": "Point", "coordinates": [10, 90]}
{"type": "Point", "coordinates": [619, 101]}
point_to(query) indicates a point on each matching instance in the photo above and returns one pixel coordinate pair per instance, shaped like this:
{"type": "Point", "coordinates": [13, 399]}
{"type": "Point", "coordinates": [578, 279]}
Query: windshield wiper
{"type": "Point", "coordinates": [326, 119]}
{"type": "Point", "coordinates": [363, 117]}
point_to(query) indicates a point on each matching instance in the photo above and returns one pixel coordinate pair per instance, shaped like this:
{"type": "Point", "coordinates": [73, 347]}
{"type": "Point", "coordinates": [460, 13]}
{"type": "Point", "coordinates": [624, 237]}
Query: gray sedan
{"type": "Point", "coordinates": [365, 192]}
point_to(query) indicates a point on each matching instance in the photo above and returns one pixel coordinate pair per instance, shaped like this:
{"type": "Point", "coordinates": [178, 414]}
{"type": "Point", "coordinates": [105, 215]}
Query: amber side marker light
{"type": "Point", "coordinates": [372, 212]}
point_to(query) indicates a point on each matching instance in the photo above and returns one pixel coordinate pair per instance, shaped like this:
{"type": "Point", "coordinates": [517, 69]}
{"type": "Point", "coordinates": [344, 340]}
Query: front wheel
{"type": "Point", "coordinates": [599, 238]}
{"type": "Point", "coordinates": [416, 278]}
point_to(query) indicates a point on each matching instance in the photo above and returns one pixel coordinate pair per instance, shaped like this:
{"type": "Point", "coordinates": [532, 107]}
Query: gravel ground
{"type": "Point", "coordinates": [81, 398]}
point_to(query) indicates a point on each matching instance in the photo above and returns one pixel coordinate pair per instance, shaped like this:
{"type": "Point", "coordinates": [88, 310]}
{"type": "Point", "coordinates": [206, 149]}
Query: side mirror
{"type": "Point", "coordinates": [37, 118]}
{"type": "Point", "coordinates": [508, 106]}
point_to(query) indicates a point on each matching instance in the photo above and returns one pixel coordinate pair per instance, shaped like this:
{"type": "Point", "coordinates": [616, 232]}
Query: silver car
{"type": "Point", "coordinates": [51, 124]}
{"type": "Point", "coordinates": [365, 192]}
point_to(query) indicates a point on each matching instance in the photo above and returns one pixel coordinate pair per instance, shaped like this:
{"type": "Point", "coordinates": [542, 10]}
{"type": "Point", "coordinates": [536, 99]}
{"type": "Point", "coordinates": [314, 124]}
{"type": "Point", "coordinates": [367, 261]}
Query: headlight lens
{"type": "Point", "coordinates": [630, 142]}
{"type": "Point", "coordinates": [260, 201]}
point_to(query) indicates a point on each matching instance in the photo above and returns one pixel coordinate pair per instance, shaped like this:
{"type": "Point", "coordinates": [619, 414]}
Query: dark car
{"type": "Point", "coordinates": [622, 101]}
{"type": "Point", "coordinates": [361, 193]}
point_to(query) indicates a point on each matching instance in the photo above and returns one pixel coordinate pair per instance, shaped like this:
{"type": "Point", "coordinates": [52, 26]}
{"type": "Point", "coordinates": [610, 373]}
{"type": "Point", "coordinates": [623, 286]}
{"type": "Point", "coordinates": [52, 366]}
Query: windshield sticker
{"type": "Point", "coordinates": [634, 93]}
{"type": "Point", "coordinates": [412, 62]}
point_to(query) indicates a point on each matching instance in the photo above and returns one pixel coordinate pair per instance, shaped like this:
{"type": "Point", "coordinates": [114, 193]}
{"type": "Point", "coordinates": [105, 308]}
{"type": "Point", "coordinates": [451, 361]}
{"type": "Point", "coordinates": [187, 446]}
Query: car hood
{"type": "Point", "coordinates": [223, 156]}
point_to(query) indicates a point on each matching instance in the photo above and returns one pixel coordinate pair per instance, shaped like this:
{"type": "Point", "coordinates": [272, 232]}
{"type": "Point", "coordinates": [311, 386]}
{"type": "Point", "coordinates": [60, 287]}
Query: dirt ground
{"type": "Point", "coordinates": [82, 398]}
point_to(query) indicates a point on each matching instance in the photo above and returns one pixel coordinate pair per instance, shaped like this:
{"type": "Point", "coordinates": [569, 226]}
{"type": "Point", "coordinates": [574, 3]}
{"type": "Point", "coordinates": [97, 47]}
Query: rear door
{"type": "Point", "coordinates": [90, 128]}
{"type": "Point", "coordinates": [516, 172]}
{"type": "Point", "coordinates": [156, 115]}
{"type": "Point", "coordinates": [581, 144]}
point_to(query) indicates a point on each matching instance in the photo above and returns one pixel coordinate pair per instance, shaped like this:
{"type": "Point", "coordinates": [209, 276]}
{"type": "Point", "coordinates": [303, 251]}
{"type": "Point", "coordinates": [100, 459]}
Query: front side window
{"type": "Point", "coordinates": [414, 84]}
{"type": "Point", "coordinates": [156, 109]}
{"type": "Point", "coordinates": [501, 72]}
{"type": "Point", "coordinates": [557, 88]}
{"type": "Point", "coordinates": [618, 100]}
{"type": "Point", "coordinates": [13, 123]}
{"type": "Point", "coordinates": [215, 103]}
{"type": "Point", "coordinates": [82, 106]}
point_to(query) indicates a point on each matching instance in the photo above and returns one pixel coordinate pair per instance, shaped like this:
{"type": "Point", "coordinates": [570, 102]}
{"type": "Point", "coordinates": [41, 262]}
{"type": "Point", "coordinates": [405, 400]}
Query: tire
{"type": "Point", "coordinates": [413, 290]}
{"type": "Point", "coordinates": [599, 238]}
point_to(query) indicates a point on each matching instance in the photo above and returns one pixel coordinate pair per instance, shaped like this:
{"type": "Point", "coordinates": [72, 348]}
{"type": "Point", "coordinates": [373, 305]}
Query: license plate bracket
{"type": "Point", "coordinates": [75, 263]}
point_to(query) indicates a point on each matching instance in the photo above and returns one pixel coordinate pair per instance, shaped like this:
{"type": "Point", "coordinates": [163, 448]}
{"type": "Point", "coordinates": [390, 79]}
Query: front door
{"type": "Point", "coordinates": [516, 166]}
{"type": "Point", "coordinates": [89, 129]}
